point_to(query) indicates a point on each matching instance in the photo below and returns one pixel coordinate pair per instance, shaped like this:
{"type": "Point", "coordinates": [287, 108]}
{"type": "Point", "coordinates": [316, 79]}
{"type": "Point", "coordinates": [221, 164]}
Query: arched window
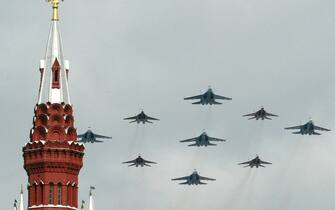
{"type": "Point", "coordinates": [42, 193]}
{"type": "Point", "coordinates": [59, 194]}
{"type": "Point", "coordinates": [35, 194]}
{"type": "Point", "coordinates": [51, 193]}
{"type": "Point", "coordinates": [69, 195]}
{"type": "Point", "coordinates": [56, 75]}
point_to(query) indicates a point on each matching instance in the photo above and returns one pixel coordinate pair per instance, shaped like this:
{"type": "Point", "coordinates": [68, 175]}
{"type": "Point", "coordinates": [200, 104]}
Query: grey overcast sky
{"type": "Point", "coordinates": [128, 55]}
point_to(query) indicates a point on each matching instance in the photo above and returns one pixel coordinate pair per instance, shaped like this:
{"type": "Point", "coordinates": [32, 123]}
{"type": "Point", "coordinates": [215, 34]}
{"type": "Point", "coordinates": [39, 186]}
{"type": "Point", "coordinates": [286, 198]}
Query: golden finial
{"type": "Point", "coordinates": [55, 3]}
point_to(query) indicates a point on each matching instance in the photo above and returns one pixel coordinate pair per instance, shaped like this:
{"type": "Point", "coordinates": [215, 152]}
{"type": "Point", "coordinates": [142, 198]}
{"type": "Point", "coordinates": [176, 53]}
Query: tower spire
{"type": "Point", "coordinates": [21, 204]}
{"type": "Point", "coordinates": [55, 4]}
{"type": "Point", "coordinates": [54, 69]}
{"type": "Point", "coordinates": [91, 204]}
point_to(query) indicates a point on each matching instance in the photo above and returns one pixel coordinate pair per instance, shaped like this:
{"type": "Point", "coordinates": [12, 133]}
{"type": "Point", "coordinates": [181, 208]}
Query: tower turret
{"type": "Point", "coordinates": [52, 157]}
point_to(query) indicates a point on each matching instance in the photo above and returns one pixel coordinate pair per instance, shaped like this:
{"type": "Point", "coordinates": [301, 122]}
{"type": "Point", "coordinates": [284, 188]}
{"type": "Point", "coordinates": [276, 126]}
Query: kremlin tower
{"type": "Point", "coordinates": [52, 157]}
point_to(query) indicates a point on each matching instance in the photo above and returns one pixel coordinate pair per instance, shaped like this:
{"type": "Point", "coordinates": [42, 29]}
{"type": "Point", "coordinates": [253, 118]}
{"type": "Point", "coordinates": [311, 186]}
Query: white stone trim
{"type": "Point", "coordinates": [51, 206]}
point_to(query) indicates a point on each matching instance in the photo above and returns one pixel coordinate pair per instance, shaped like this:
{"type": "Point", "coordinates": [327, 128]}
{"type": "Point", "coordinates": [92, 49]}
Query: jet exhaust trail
{"type": "Point", "coordinates": [239, 191]}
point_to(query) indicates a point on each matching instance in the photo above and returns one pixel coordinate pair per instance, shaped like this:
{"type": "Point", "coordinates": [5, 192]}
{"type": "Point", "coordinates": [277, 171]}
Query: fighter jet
{"type": "Point", "coordinates": [141, 117]}
{"type": "Point", "coordinates": [193, 179]}
{"type": "Point", "coordinates": [308, 128]}
{"type": "Point", "coordinates": [260, 114]}
{"type": "Point", "coordinates": [257, 162]}
{"type": "Point", "coordinates": [207, 98]}
{"type": "Point", "coordinates": [139, 161]}
{"type": "Point", "coordinates": [202, 140]}
{"type": "Point", "coordinates": [90, 137]}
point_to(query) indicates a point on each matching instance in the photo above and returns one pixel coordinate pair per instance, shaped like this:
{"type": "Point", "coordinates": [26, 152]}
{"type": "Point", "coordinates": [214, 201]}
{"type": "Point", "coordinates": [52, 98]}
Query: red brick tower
{"type": "Point", "coordinates": [53, 158]}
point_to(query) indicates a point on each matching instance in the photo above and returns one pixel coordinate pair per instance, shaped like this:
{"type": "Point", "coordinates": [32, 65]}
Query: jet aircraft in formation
{"type": "Point", "coordinates": [256, 162]}
{"type": "Point", "coordinates": [90, 137]}
{"type": "Point", "coordinates": [260, 114]}
{"type": "Point", "coordinates": [207, 98]}
{"type": "Point", "coordinates": [139, 161]}
{"type": "Point", "coordinates": [141, 117]}
{"type": "Point", "coordinates": [202, 140]}
{"type": "Point", "coordinates": [308, 128]}
{"type": "Point", "coordinates": [193, 179]}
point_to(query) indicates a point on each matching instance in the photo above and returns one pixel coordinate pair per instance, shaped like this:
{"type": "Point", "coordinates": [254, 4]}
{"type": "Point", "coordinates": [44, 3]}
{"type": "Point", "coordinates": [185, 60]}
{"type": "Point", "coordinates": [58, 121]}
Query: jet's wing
{"type": "Point", "coordinates": [320, 128]}
{"type": "Point", "coordinates": [188, 140]}
{"type": "Point", "coordinates": [221, 97]}
{"type": "Point", "coordinates": [151, 162]}
{"type": "Point", "coordinates": [249, 115]}
{"type": "Point", "coordinates": [102, 137]}
{"type": "Point", "coordinates": [193, 97]}
{"type": "Point", "coordinates": [81, 135]}
{"type": "Point", "coordinates": [181, 178]}
{"type": "Point", "coordinates": [264, 162]}
{"type": "Point", "coordinates": [272, 115]}
{"type": "Point", "coordinates": [131, 118]}
{"type": "Point", "coordinates": [248, 162]}
{"type": "Point", "coordinates": [215, 139]}
{"type": "Point", "coordinates": [294, 127]}
{"type": "Point", "coordinates": [151, 118]}
{"type": "Point", "coordinates": [206, 178]}
{"type": "Point", "coordinates": [131, 161]}
{"type": "Point", "coordinates": [82, 140]}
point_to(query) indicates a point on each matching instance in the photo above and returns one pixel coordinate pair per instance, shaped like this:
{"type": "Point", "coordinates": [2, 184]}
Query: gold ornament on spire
{"type": "Point", "coordinates": [54, 3]}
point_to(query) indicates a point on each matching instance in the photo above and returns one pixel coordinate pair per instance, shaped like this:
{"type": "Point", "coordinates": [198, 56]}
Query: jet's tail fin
{"type": "Point", "coordinates": [198, 102]}
{"type": "Point", "coordinates": [268, 118]}
{"type": "Point", "coordinates": [202, 183]}
{"type": "Point", "coordinates": [251, 118]}
{"type": "Point", "coordinates": [211, 144]}
{"type": "Point", "coordinates": [192, 145]}
{"type": "Point", "coordinates": [133, 121]}
{"type": "Point", "coordinates": [316, 133]}
{"type": "Point", "coordinates": [215, 102]}
{"type": "Point", "coordinates": [262, 166]}
{"type": "Point", "coordinates": [147, 164]}
{"type": "Point", "coordinates": [297, 132]}
{"type": "Point", "coordinates": [148, 121]}
{"type": "Point", "coordinates": [184, 183]}
{"type": "Point", "coordinates": [246, 166]}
